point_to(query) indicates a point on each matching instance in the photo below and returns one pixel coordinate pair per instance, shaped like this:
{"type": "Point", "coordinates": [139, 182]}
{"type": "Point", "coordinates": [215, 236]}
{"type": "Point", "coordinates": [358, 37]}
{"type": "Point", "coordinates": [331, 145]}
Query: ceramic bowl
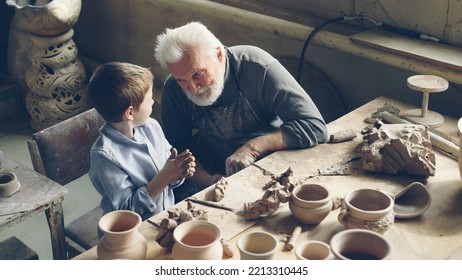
{"type": "Point", "coordinates": [310, 203]}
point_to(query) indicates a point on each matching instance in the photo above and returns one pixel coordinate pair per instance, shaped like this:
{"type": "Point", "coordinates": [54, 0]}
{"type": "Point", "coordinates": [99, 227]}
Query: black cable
{"type": "Point", "coordinates": [307, 41]}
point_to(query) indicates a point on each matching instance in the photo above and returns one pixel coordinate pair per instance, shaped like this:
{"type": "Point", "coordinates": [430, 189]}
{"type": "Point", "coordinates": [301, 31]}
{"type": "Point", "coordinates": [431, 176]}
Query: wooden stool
{"type": "Point", "coordinates": [14, 249]}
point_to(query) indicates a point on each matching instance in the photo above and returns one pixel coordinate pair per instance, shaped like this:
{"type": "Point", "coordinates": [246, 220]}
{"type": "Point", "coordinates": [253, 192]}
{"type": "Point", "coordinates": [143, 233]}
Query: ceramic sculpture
{"type": "Point", "coordinates": [42, 57]}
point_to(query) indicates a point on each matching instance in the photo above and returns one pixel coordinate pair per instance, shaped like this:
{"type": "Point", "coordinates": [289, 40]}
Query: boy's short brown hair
{"type": "Point", "coordinates": [115, 86]}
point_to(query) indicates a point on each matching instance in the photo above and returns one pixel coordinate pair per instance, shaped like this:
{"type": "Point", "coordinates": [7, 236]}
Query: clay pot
{"type": "Point", "coordinates": [310, 203]}
{"type": "Point", "coordinates": [360, 244]}
{"type": "Point", "coordinates": [459, 128]}
{"type": "Point", "coordinates": [121, 239]}
{"type": "Point", "coordinates": [257, 245]}
{"type": "Point", "coordinates": [313, 250]}
{"type": "Point", "coordinates": [9, 183]}
{"type": "Point", "coordinates": [369, 209]}
{"type": "Point", "coordinates": [197, 240]}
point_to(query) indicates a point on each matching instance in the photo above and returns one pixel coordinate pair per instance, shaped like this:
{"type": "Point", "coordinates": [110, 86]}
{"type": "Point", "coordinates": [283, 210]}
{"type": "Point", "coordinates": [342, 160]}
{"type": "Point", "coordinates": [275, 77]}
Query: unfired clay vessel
{"type": "Point", "coordinates": [412, 201]}
{"type": "Point", "coordinates": [121, 239]}
{"type": "Point", "coordinates": [257, 245]}
{"type": "Point", "coordinates": [369, 209]}
{"type": "Point", "coordinates": [197, 240]}
{"type": "Point", "coordinates": [9, 183]}
{"type": "Point", "coordinates": [313, 250]}
{"type": "Point", "coordinates": [310, 203]}
{"type": "Point", "coordinates": [360, 244]}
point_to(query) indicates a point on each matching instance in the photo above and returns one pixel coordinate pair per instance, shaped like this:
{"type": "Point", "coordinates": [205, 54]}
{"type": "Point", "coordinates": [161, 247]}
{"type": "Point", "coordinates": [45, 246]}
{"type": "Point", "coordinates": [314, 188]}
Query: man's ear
{"type": "Point", "coordinates": [128, 113]}
{"type": "Point", "coordinates": [220, 54]}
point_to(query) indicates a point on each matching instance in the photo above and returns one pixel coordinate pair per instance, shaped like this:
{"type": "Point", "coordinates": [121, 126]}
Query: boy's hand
{"type": "Point", "coordinates": [180, 166]}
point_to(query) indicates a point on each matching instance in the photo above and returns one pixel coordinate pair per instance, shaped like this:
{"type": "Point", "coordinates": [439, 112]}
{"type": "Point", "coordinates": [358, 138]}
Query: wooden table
{"type": "Point", "coordinates": [434, 235]}
{"type": "Point", "coordinates": [36, 194]}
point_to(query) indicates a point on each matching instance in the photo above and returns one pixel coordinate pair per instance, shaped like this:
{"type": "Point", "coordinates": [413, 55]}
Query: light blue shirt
{"type": "Point", "coordinates": [120, 169]}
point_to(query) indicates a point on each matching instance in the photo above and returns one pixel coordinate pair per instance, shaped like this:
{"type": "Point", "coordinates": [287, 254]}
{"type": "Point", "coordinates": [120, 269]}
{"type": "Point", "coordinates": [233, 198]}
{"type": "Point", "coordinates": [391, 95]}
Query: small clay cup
{"type": "Point", "coordinates": [360, 244]}
{"type": "Point", "coordinates": [313, 250]}
{"type": "Point", "coordinates": [257, 245]}
{"type": "Point", "coordinates": [310, 203]}
{"type": "Point", "coordinates": [9, 183]}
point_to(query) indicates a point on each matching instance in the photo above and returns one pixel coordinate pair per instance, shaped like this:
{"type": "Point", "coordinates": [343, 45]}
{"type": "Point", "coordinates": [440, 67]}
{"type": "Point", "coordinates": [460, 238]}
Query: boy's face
{"type": "Point", "coordinates": [144, 111]}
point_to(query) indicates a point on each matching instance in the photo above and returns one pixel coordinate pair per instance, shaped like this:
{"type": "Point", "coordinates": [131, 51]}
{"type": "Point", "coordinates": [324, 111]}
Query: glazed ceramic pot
{"type": "Point", "coordinates": [257, 245]}
{"type": "Point", "coordinates": [369, 209]}
{"type": "Point", "coordinates": [121, 239]}
{"type": "Point", "coordinates": [9, 183]}
{"type": "Point", "coordinates": [360, 244]}
{"type": "Point", "coordinates": [459, 128]}
{"type": "Point", "coordinates": [197, 240]}
{"type": "Point", "coordinates": [310, 203]}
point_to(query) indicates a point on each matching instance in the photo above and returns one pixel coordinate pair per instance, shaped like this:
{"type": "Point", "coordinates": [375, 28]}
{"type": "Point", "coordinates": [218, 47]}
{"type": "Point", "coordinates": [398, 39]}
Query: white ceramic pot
{"type": "Point", "coordinates": [369, 209]}
{"type": "Point", "coordinates": [121, 239]}
{"type": "Point", "coordinates": [197, 240]}
{"type": "Point", "coordinates": [310, 203]}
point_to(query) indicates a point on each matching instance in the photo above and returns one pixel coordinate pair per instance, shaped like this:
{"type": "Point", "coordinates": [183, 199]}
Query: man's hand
{"type": "Point", "coordinates": [242, 157]}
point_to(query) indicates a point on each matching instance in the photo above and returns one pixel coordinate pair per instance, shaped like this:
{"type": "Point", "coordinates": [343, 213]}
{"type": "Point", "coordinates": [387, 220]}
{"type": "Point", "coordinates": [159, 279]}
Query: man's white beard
{"type": "Point", "coordinates": [208, 95]}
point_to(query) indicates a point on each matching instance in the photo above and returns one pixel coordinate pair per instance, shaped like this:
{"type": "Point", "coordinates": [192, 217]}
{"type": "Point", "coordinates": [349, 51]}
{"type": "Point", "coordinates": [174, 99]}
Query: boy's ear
{"type": "Point", "coordinates": [128, 113]}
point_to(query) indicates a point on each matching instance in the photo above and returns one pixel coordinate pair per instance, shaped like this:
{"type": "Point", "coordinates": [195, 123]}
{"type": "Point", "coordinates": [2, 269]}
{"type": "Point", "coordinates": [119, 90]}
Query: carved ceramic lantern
{"type": "Point", "coordinates": [42, 57]}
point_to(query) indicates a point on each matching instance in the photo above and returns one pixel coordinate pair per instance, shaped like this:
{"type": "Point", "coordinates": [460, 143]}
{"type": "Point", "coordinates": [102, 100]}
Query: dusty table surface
{"type": "Point", "coordinates": [433, 235]}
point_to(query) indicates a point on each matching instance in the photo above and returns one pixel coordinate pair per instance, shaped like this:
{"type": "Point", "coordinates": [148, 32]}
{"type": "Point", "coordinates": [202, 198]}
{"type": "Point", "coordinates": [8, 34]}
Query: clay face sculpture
{"type": "Point", "coordinates": [367, 209]}
{"type": "Point", "coordinates": [310, 203]}
{"type": "Point", "coordinates": [360, 244]}
{"type": "Point", "coordinates": [257, 245]}
{"type": "Point", "coordinates": [398, 148]}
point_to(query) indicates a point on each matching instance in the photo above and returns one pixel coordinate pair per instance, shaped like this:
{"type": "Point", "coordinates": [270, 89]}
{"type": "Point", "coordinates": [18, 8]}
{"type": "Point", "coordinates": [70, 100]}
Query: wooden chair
{"type": "Point", "coordinates": [62, 153]}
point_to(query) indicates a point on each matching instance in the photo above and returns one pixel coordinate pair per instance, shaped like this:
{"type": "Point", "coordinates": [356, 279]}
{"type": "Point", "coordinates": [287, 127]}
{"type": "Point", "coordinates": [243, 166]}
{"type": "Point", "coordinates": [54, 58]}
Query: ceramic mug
{"type": "Point", "coordinates": [310, 203]}
{"type": "Point", "coordinates": [369, 209]}
{"type": "Point", "coordinates": [313, 250]}
{"type": "Point", "coordinates": [257, 245]}
{"type": "Point", "coordinates": [360, 244]}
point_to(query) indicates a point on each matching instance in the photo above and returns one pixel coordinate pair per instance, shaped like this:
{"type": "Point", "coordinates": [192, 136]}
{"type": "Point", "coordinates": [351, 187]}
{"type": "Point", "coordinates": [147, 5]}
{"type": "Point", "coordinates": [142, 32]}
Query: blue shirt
{"type": "Point", "coordinates": [120, 169]}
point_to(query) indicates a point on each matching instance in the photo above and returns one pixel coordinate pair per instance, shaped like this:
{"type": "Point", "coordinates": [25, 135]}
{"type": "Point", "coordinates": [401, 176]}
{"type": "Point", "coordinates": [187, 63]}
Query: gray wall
{"type": "Point", "coordinates": [125, 30]}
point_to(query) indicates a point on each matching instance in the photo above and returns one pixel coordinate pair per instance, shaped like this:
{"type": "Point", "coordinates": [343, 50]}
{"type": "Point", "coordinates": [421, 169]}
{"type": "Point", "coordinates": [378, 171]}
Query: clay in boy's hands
{"type": "Point", "coordinates": [180, 165]}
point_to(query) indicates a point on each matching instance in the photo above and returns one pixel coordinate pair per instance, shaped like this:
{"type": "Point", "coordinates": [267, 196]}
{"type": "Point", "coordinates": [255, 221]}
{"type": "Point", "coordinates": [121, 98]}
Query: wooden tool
{"type": "Point", "coordinates": [293, 238]}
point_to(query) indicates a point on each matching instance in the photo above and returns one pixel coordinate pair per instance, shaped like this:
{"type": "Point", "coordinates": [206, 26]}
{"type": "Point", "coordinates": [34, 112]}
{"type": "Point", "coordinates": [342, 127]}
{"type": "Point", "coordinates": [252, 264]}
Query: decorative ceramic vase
{"type": "Point", "coordinates": [360, 244]}
{"type": "Point", "coordinates": [369, 209]}
{"type": "Point", "coordinates": [310, 204]}
{"type": "Point", "coordinates": [40, 43]}
{"type": "Point", "coordinates": [459, 128]}
{"type": "Point", "coordinates": [9, 183]}
{"type": "Point", "coordinates": [121, 239]}
{"type": "Point", "coordinates": [197, 240]}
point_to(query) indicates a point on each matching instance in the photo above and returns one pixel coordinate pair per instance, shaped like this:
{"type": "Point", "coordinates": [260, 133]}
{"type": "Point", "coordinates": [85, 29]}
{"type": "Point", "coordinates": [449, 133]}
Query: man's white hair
{"type": "Point", "coordinates": [173, 43]}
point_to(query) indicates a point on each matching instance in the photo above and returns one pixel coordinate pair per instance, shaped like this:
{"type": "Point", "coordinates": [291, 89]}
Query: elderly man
{"type": "Point", "coordinates": [230, 105]}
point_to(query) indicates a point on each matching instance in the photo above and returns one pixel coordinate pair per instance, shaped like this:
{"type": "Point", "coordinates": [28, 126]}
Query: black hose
{"type": "Point", "coordinates": [305, 46]}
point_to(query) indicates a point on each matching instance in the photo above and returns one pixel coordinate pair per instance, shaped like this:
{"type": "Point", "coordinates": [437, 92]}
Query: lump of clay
{"type": "Point", "coordinates": [219, 189]}
{"type": "Point", "coordinates": [398, 148]}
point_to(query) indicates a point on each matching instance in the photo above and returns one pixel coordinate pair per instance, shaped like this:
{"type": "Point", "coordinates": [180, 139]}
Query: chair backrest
{"type": "Point", "coordinates": [62, 152]}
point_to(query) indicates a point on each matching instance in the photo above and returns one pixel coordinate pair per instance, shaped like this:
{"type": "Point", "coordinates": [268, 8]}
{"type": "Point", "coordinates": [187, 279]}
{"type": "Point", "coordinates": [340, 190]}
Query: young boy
{"type": "Point", "coordinates": [132, 165]}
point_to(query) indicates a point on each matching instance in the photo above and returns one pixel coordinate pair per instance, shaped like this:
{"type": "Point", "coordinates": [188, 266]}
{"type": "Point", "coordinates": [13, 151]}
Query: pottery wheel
{"type": "Point", "coordinates": [426, 84]}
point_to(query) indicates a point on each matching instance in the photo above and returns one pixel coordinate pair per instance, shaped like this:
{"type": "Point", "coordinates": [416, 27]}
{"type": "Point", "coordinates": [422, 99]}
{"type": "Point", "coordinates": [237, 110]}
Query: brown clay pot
{"type": "Point", "coordinates": [310, 203]}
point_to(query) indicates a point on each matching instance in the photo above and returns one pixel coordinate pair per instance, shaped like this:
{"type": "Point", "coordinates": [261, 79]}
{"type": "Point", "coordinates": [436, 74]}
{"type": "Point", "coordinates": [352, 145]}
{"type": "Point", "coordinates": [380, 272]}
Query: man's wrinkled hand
{"type": "Point", "coordinates": [242, 158]}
